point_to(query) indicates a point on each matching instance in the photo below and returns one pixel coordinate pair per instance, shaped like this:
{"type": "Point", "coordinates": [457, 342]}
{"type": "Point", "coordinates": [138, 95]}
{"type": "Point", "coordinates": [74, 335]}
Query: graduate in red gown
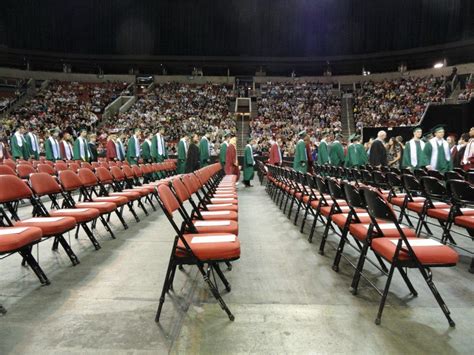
{"type": "Point", "coordinates": [111, 148]}
{"type": "Point", "coordinates": [231, 162]}
{"type": "Point", "coordinates": [275, 157]}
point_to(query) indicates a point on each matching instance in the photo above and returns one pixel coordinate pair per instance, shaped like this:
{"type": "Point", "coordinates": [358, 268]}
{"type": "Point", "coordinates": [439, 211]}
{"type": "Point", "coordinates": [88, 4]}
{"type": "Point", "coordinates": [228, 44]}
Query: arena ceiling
{"type": "Point", "coordinates": [242, 35]}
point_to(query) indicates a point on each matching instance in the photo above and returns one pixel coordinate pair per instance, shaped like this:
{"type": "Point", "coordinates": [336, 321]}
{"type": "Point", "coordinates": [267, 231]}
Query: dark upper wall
{"type": "Point", "coordinates": [233, 27]}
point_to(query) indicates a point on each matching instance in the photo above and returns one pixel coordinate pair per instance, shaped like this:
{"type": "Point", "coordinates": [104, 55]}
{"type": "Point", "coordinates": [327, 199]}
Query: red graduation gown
{"type": "Point", "coordinates": [111, 150]}
{"type": "Point", "coordinates": [230, 161]}
{"type": "Point", "coordinates": [274, 157]}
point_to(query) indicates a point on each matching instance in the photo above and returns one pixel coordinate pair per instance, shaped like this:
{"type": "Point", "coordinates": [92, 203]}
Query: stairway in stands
{"type": "Point", "coordinates": [243, 111]}
{"type": "Point", "coordinates": [347, 115]}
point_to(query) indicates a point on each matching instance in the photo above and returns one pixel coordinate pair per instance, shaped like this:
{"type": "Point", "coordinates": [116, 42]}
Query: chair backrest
{"type": "Point", "coordinates": [10, 163]}
{"type": "Point", "coordinates": [420, 172]}
{"type": "Point", "coordinates": [168, 200]}
{"type": "Point", "coordinates": [87, 177]}
{"type": "Point", "coordinates": [60, 166]}
{"type": "Point", "coordinates": [128, 171]}
{"type": "Point", "coordinates": [335, 189]}
{"type": "Point", "coordinates": [321, 185]}
{"type": "Point", "coordinates": [434, 188]}
{"type": "Point", "coordinates": [86, 165]}
{"type": "Point", "coordinates": [46, 168]}
{"type": "Point", "coordinates": [104, 175]}
{"type": "Point", "coordinates": [190, 184]}
{"type": "Point", "coordinates": [453, 175]}
{"type": "Point", "coordinates": [353, 196]}
{"type": "Point", "coordinates": [69, 180]}
{"type": "Point", "coordinates": [25, 170]}
{"type": "Point", "coordinates": [137, 171]}
{"type": "Point", "coordinates": [74, 167]}
{"type": "Point", "coordinates": [117, 173]}
{"type": "Point", "coordinates": [44, 184]}
{"type": "Point", "coordinates": [393, 180]}
{"type": "Point", "coordinates": [6, 170]}
{"type": "Point", "coordinates": [12, 188]}
{"type": "Point", "coordinates": [461, 191]}
{"type": "Point", "coordinates": [411, 184]}
{"type": "Point", "coordinates": [377, 206]}
{"type": "Point", "coordinates": [436, 174]}
{"type": "Point", "coordinates": [180, 189]}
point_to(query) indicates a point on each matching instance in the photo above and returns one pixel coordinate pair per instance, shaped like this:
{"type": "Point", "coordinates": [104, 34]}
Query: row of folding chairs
{"type": "Point", "coordinates": [207, 234]}
{"type": "Point", "coordinates": [362, 218]}
{"type": "Point", "coordinates": [102, 192]}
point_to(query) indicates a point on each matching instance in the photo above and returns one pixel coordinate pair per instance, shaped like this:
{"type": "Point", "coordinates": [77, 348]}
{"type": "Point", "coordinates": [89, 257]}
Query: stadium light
{"type": "Point", "coordinates": [438, 65]}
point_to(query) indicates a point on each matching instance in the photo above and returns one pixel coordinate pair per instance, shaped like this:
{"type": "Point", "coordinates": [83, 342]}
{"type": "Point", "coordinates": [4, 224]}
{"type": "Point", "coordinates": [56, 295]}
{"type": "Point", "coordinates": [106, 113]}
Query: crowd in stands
{"type": "Point", "coordinates": [467, 94]}
{"type": "Point", "coordinates": [180, 109]}
{"type": "Point", "coordinates": [399, 102]}
{"type": "Point", "coordinates": [284, 109]}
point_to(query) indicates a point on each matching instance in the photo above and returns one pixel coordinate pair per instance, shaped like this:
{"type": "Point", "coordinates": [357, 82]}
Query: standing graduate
{"type": "Point", "coordinates": [467, 160]}
{"type": "Point", "coordinates": [378, 153]}
{"type": "Point", "coordinates": [65, 146]}
{"type": "Point", "coordinates": [249, 163]}
{"type": "Point", "coordinates": [413, 155]}
{"type": "Point", "coordinates": [111, 153]}
{"type": "Point", "coordinates": [92, 144]}
{"type": "Point", "coordinates": [120, 148]}
{"type": "Point", "coordinates": [193, 156]}
{"type": "Point", "coordinates": [300, 161]}
{"type": "Point", "coordinates": [3, 152]}
{"type": "Point", "coordinates": [32, 142]}
{"type": "Point", "coordinates": [81, 147]}
{"type": "Point", "coordinates": [223, 151]}
{"type": "Point", "coordinates": [205, 150]}
{"type": "Point", "coordinates": [51, 146]}
{"type": "Point", "coordinates": [146, 148]}
{"type": "Point", "coordinates": [231, 162]}
{"type": "Point", "coordinates": [437, 151]}
{"type": "Point", "coordinates": [133, 147]}
{"type": "Point", "coordinates": [356, 154]}
{"type": "Point", "coordinates": [182, 154]}
{"type": "Point", "coordinates": [158, 146]}
{"type": "Point", "coordinates": [323, 152]}
{"type": "Point", "coordinates": [18, 145]}
{"type": "Point", "coordinates": [275, 157]}
{"type": "Point", "coordinates": [336, 152]}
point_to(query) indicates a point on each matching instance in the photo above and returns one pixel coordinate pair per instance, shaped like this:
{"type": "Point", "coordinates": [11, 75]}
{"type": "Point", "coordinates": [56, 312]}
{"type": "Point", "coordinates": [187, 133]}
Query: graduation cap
{"type": "Point", "coordinates": [352, 137]}
{"type": "Point", "coordinates": [302, 134]}
{"type": "Point", "coordinates": [438, 128]}
{"type": "Point", "coordinates": [416, 128]}
{"type": "Point", "coordinates": [227, 134]}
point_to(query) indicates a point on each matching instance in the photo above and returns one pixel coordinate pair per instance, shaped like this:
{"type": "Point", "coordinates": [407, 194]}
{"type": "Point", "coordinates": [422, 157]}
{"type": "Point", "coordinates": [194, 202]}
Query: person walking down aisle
{"type": "Point", "coordinates": [300, 162]}
{"type": "Point", "coordinates": [336, 152]}
{"type": "Point", "coordinates": [437, 151]}
{"type": "Point", "coordinates": [223, 151]}
{"type": "Point", "coordinates": [249, 163]}
{"type": "Point", "coordinates": [205, 150]}
{"type": "Point", "coordinates": [192, 159]}
{"type": "Point", "coordinates": [182, 154]}
{"type": "Point", "coordinates": [158, 146]}
{"type": "Point", "coordinates": [133, 148]}
{"type": "Point", "coordinates": [413, 155]}
{"type": "Point", "coordinates": [378, 153]}
{"type": "Point", "coordinates": [356, 154]}
{"type": "Point", "coordinates": [231, 162]}
{"type": "Point", "coordinates": [81, 147]}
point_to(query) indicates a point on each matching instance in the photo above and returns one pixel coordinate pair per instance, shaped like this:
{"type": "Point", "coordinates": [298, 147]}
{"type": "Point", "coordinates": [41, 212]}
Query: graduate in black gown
{"type": "Point", "coordinates": [378, 153]}
{"type": "Point", "coordinates": [193, 157]}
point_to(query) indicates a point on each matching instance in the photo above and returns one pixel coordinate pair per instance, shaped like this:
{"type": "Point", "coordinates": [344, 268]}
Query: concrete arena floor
{"type": "Point", "coordinates": [285, 297]}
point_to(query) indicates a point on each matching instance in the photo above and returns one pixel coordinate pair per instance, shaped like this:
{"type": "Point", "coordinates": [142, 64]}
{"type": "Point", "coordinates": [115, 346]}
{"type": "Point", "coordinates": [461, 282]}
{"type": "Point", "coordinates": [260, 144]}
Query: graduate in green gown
{"type": "Point", "coordinates": [32, 143]}
{"type": "Point", "coordinates": [146, 148]}
{"type": "Point", "coordinates": [356, 154]}
{"type": "Point", "coordinates": [18, 145]}
{"type": "Point", "coordinates": [182, 154]}
{"type": "Point", "coordinates": [300, 161]}
{"type": "Point", "coordinates": [205, 150]}
{"type": "Point", "coordinates": [81, 147]}
{"type": "Point", "coordinates": [323, 152]}
{"type": "Point", "coordinates": [158, 146]}
{"type": "Point", "coordinates": [437, 151]}
{"type": "Point", "coordinates": [336, 152]}
{"type": "Point", "coordinates": [249, 163]}
{"type": "Point", "coordinates": [413, 153]}
{"type": "Point", "coordinates": [51, 146]}
{"type": "Point", "coordinates": [133, 147]}
{"type": "Point", "coordinates": [223, 150]}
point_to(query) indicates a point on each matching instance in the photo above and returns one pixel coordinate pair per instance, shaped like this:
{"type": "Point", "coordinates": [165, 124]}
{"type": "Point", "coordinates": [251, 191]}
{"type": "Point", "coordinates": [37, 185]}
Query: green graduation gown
{"type": "Point", "coordinates": [157, 157]}
{"type": "Point", "coordinates": [204, 152]}
{"type": "Point", "coordinates": [323, 156]}
{"type": "Point", "coordinates": [132, 157]}
{"type": "Point", "coordinates": [336, 154]}
{"type": "Point", "coordinates": [146, 151]}
{"type": "Point", "coordinates": [441, 163]}
{"type": "Point", "coordinates": [421, 160]}
{"type": "Point", "coordinates": [249, 163]}
{"type": "Point", "coordinates": [17, 151]}
{"type": "Point", "coordinates": [76, 150]}
{"type": "Point", "coordinates": [30, 143]}
{"type": "Point", "coordinates": [181, 168]}
{"type": "Point", "coordinates": [300, 162]}
{"type": "Point", "coordinates": [49, 151]}
{"type": "Point", "coordinates": [356, 156]}
{"type": "Point", "coordinates": [222, 154]}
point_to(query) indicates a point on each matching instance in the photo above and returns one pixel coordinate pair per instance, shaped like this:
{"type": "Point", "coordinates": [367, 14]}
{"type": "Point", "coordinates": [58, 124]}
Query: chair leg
{"type": "Point", "coordinates": [106, 226]}
{"type": "Point", "coordinates": [55, 244]}
{"type": "Point", "coordinates": [150, 202]}
{"type": "Point", "coordinates": [120, 217]}
{"type": "Point", "coordinates": [2, 310]}
{"type": "Point", "coordinates": [164, 290]}
{"type": "Point", "coordinates": [33, 264]}
{"type": "Point", "coordinates": [295, 222]}
{"type": "Point", "coordinates": [293, 199]}
{"type": "Point", "coordinates": [385, 294]}
{"type": "Point", "coordinates": [313, 227]}
{"type": "Point", "coordinates": [325, 236]}
{"type": "Point", "coordinates": [407, 281]}
{"type": "Point", "coordinates": [221, 276]}
{"type": "Point", "coordinates": [360, 266]}
{"type": "Point", "coordinates": [142, 206]}
{"type": "Point", "coordinates": [132, 211]}
{"type": "Point", "coordinates": [304, 219]}
{"type": "Point", "coordinates": [91, 236]}
{"type": "Point", "coordinates": [340, 249]}
{"type": "Point", "coordinates": [68, 250]}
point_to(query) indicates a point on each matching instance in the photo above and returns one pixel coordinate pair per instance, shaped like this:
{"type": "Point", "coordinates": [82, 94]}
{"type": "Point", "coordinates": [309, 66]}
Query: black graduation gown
{"type": "Point", "coordinates": [193, 158]}
{"type": "Point", "coordinates": [93, 149]}
{"type": "Point", "coordinates": [458, 157]}
{"type": "Point", "coordinates": [378, 154]}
